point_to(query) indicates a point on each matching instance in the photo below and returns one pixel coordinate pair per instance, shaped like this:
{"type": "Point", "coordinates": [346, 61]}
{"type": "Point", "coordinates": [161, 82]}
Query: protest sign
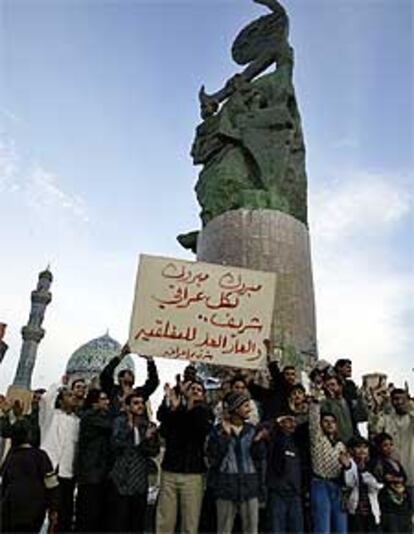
{"type": "Point", "coordinates": [202, 312]}
{"type": "Point", "coordinates": [22, 395]}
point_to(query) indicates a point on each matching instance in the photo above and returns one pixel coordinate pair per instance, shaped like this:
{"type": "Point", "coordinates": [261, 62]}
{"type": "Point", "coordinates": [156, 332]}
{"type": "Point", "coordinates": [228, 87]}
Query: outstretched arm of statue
{"type": "Point", "coordinates": [282, 55]}
{"type": "Point", "coordinates": [210, 103]}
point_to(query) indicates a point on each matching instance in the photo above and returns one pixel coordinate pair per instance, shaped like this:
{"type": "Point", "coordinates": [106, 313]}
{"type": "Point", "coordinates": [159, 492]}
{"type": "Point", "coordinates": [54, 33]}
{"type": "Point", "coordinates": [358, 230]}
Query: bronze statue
{"type": "Point", "coordinates": [250, 142]}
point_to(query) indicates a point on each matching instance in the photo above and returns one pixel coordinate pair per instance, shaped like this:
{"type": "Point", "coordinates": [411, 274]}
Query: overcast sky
{"type": "Point", "coordinates": [98, 106]}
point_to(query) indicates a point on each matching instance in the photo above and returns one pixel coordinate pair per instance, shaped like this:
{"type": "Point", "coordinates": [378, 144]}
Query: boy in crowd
{"type": "Point", "coordinates": [237, 385]}
{"type": "Point", "coordinates": [236, 454]}
{"type": "Point", "coordinates": [327, 453]}
{"type": "Point", "coordinates": [134, 440]}
{"type": "Point", "coordinates": [284, 478]}
{"type": "Point", "coordinates": [394, 500]}
{"type": "Point", "coordinates": [185, 423]}
{"type": "Point", "coordinates": [362, 503]}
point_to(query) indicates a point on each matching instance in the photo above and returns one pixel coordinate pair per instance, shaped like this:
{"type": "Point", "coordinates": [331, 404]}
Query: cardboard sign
{"type": "Point", "coordinates": [202, 312]}
{"type": "Point", "coordinates": [24, 396]}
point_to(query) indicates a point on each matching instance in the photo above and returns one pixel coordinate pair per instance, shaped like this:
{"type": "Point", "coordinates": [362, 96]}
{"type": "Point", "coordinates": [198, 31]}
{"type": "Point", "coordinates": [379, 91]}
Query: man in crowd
{"type": "Point", "coordinates": [326, 488]}
{"type": "Point", "coordinates": [351, 392]}
{"type": "Point", "coordinates": [134, 440]}
{"type": "Point", "coordinates": [93, 462]}
{"type": "Point", "coordinates": [59, 440]}
{"type": "Point", "coordinates": [117, 393]}
{"type": "Point", "coordinates": [79, 389]}
{"type": "Point", "coordinates": [185, 422]}
{"type": "Point", "coordinates": [336, 404]}
{"type": "Point", "coordinates": [236, 454]}
{"type": "Point", "coordinates": [274, 400]}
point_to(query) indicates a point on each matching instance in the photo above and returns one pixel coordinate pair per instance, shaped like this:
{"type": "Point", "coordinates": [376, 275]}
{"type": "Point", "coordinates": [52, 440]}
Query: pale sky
{"type": "Point", "coordinates": [98, 107]}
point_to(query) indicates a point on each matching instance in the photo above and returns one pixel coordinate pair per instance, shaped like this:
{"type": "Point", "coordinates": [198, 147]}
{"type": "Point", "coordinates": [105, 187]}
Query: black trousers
{"type": "Point", "coordinates": [363, 524]}
{"type": "Point", "coordinates": [400, 523]}
{"type": "Point", "coordinates": [91, 502]}
{"type": "Point", "coordinates": [66, 505]}
{"type": "Point", "coordinates": [127, 512]}
{"type": "Point", "coordinates": [13, 524]}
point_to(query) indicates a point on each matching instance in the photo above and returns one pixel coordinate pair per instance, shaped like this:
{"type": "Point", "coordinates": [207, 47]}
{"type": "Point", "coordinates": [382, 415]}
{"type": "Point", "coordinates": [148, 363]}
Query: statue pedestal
{"type": "Point", "coordinates": [270, 240]}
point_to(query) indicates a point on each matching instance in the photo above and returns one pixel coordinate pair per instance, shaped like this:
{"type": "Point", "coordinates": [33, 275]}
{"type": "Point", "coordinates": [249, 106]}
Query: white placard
{"type": "Point", "coordinates": [202, 312]}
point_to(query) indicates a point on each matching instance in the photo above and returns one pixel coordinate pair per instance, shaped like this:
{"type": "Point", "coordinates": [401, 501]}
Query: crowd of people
{"type": "Point", "coordinates": [248, 457]}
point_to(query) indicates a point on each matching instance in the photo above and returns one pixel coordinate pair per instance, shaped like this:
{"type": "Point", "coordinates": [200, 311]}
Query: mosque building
{"type": "Point", "coordinates": [90, 358]}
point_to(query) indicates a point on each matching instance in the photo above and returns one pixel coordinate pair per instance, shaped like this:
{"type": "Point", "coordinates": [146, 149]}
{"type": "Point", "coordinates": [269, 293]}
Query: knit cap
{"type": "Point", "coordinates": [235, 400]}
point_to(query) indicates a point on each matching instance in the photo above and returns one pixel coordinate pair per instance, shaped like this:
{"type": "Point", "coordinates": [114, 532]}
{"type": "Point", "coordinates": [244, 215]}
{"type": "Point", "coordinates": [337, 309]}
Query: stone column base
{"type": "Point", "coordinates": [269, 240]}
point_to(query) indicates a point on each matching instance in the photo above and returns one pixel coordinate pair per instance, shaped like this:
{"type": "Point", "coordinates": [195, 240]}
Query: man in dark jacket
{"type": "Point", "coordinates": [117, 393]}
{"type": "Point", "coordinates": [352, 394]}
{"type": "Point", "coordinates": [236, 453]}
{"type": "Point", "coordinates": [134, 440]}
{"type": "Point", "coordinates": [284, 477]}
{"type": "Point", "coordinates": [185, 422]}
{"type": "Point", "coordinates": [93, 461]}
{"type": "Point", "coordinates": [274, 399]}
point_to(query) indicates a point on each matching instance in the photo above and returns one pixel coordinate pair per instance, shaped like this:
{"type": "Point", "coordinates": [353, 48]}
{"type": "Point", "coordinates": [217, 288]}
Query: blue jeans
{"type": "Point", "coordinates": [285, 513]}
{"type": "Point", "coordinates": [326, 503]}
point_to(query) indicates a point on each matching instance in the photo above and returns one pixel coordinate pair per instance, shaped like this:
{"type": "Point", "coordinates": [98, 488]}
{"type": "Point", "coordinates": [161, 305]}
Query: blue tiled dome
{"type": "Point", "coordinates": [89, 359]}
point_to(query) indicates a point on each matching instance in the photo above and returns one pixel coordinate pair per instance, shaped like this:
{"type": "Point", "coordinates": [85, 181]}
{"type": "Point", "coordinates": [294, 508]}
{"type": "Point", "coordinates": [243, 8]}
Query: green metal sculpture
{"type": "Point", "coordinates": [250, 142]}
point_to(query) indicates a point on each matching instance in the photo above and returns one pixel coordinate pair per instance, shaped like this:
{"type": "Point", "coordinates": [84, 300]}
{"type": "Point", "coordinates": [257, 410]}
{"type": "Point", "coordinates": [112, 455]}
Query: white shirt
{"type": "Point", "coordinates": [60, 440]}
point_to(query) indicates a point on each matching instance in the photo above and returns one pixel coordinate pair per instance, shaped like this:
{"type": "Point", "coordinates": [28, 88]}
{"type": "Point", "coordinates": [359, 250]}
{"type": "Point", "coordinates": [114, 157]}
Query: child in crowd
{"type": "Point", "coordinates": [284, 478]}
{"type": "Point", "coordinates": [362, 503]}
{"type": "Point", "coordinates": [236, 454]}
{"type": "Point", "coordinates": [394, 500]}
{"type": "Point", "coordinates": [238, 385]}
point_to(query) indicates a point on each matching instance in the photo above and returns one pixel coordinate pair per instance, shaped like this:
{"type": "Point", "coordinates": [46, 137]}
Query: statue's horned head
{"type": "Point", "coordinates": [208, 106]}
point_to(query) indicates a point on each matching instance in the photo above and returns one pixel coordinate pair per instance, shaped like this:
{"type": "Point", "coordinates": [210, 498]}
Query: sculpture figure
{"type": "Point", "coordinates": [250, 142]}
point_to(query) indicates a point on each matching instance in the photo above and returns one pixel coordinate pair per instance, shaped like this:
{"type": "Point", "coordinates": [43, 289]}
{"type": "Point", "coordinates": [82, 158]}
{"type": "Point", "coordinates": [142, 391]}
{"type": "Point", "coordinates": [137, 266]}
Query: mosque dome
{"type": "Point", "coordinates": [89, 359]}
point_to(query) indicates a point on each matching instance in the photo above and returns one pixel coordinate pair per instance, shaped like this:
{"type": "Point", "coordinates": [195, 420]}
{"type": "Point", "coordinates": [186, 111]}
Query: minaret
{"type": "Point", "coordinates": [33, 332]}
